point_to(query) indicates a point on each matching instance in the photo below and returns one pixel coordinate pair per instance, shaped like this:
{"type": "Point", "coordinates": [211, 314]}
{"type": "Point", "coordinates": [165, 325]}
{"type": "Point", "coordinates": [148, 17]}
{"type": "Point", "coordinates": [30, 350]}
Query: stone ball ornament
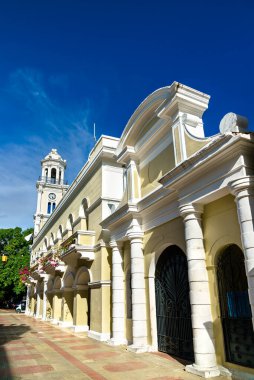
{"type": "Point", "coordinates": [232, 122]}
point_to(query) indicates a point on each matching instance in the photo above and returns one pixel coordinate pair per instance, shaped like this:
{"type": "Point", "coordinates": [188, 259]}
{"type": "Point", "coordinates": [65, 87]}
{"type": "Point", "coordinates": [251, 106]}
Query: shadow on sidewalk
{"type": "Point", "coordinates": [10, 334]}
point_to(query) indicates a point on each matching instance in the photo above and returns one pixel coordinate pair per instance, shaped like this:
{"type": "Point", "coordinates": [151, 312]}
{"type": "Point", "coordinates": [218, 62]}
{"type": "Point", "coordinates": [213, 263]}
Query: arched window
{"type": "Point", "coordinates": [49, 208]}
{"type": "Point", "coordinates": [51, 241]}
{"type": "Point", "coordinates": [53, 206]}
{"type": "Point", "coordinates": [69, 224]}
{"type": "Point", "coordinates": [83, 211]}
{"type": "Point", "coordinates": [45, 245]}
{"type": "Point", "coordinates": [53, 175]}
{"type": "Point", "coordinates": [60, 232]}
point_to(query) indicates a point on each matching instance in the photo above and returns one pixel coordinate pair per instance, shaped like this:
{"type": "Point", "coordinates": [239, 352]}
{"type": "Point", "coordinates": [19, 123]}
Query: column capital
{"type": "Point", "coordinates": [137, 236]}
{"type": "Point", "coordinates": [242, 187]}
{"type": "Point", "coordinates": [190, 209]}
{"type": "Point", "coordinates": [115, 244]}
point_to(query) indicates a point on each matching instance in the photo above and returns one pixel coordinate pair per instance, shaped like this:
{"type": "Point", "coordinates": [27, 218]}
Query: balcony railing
{"type": "Point", "coordinates": [54, 181]}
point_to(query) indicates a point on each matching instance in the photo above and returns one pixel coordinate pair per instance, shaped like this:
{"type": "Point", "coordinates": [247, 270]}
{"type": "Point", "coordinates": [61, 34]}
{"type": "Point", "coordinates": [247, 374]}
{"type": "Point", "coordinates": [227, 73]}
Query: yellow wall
{"type": "Point", "coordinates": [91, 191]}
{"type": "Point", "coordinates": [193, 145]}
{"type": "Point", "coordinates": [95, 310]}
{"type": "Point", "coordinates": [155, 169]}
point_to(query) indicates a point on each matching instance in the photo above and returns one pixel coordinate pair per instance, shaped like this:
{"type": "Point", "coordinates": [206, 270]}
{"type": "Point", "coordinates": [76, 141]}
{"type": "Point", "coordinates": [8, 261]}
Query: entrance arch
{"type": "Point", "coordinates": [173, 311]}
{"type": "Point", "coordinates": [235, 307]}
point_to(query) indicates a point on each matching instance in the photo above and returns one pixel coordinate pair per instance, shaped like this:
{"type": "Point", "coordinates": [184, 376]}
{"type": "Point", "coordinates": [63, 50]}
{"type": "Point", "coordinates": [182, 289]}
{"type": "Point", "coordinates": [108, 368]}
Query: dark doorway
{"type": "Point", "coordinates": [235, 307]}
{"type": "Point", "coordinates": [173, 310]}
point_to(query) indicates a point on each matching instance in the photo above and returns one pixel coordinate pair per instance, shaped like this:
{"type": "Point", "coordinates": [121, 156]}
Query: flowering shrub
{"type": "Point", "coordinates": [24, 274]}
{"type": "Point", "coordinates": [44, 262]}
{"type": "Point", "coordinates": [54, 262]}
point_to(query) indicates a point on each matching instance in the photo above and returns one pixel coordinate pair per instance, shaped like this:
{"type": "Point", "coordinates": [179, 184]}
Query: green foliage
{"type": "Point", "coordinates": [16, 247]}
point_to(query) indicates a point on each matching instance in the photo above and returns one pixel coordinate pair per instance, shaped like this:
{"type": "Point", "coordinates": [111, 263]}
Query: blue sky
{"type": "Point", "coordinates": [66, 64]}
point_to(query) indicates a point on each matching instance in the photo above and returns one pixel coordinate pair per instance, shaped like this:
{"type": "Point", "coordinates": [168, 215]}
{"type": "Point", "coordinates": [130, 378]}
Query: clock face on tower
{"type": "Point", "coordinates": [52, 196]}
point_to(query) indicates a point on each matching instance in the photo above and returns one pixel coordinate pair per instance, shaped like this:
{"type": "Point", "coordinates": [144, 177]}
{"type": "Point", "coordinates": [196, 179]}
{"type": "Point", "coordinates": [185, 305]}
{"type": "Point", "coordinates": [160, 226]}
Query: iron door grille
{"type": "Point", "coordinates": [235, 308]}
{"type": "Point", "coordinates": [173, 310]}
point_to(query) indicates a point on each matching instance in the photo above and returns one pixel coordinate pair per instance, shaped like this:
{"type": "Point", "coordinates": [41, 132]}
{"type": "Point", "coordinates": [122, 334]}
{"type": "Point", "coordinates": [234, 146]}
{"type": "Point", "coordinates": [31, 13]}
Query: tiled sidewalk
{"type": "Point", "coordinates": [31, 349]}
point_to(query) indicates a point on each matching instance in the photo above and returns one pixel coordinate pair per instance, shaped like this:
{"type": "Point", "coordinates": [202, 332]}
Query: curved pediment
{"type": "Point", "coordinates": [167, 107]}
{"type": "Point", "coordinates": [145, 112]}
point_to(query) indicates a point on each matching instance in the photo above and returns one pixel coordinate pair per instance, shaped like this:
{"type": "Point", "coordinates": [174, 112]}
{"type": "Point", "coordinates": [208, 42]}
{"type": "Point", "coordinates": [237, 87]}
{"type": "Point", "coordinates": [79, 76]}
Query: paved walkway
{"type": "Point", "coordinates": [32, 349]}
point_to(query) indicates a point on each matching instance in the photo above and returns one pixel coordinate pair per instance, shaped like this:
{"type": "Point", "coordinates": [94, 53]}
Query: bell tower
{"type": "Point", "coordinates": [50, 188]}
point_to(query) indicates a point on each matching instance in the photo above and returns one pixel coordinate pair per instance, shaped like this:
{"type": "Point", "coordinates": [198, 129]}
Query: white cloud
{"type": "Point", "coordinates": [51, 126]}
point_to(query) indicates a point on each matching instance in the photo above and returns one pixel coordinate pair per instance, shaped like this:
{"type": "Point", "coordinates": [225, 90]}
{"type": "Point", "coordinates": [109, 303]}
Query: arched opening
{"type": "Point", "coordinates": [46, 173]}
{"type": "Point", "coordinates": [60, 176]}
{"type": "Point", "coordinates": [235, 307]}
{"type": "Point", "coordinates": [173, 311]}
{"type": "Point", "coordinates": [82, 300]}
{"type": "Point", "coordinates": [67, 298]}
{"type": "Point", "coordinates": [53, 175]}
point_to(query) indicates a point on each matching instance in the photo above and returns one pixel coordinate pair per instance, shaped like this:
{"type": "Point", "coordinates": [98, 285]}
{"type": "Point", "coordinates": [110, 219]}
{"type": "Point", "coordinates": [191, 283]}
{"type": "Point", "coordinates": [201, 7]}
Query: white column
{"type": "Point", "coordinates": [38, 299]}
{"type": "Point", "coordinates": [117, 295]}
{"type": "Point", "coordinates": [202, 324]}
{"type": "Point", "coordinates": [37, 220]}
{"type": "Point", "coordinates": [45, 288]}
{"type": "Point", "coordinates": [57, 175]}
{"type": "Point", "coordinates": [28, 293]}
{"type": "Point", "coordinates": [38, 208]}
{"type": "Point", "coordinates": [139, 320]}
{"type": "Point", "coordinates": [243, 189]}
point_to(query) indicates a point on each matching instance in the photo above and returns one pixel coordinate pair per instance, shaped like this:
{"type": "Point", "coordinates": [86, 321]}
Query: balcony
{"type": "Point", "coordinates": [52, 180]}
{"type": "Point", "coordinates": [79, 246]}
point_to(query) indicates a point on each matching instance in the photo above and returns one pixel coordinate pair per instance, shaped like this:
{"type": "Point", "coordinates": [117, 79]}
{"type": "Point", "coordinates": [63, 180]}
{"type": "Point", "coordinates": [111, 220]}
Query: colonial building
{"type": "Point", "coordinates": [152, 246]}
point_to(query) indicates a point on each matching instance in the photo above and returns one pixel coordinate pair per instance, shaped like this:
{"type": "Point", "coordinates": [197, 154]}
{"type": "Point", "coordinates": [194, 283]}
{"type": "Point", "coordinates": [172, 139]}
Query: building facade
{"type": "Point", "coordinates": [152, 246]}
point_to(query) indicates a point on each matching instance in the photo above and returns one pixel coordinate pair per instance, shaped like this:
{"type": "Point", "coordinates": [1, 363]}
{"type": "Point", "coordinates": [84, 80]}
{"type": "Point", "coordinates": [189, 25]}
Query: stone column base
{"type": "Point", "coordinates": [102, 337]}
{"type": "Point", "coordinates": [117, 342]}
{"type": "Point", "coordinates": [80, 328]}
{"type": "Point", "coordinates": [203, 371]}
{"type": "Point", "coordinates": [65, 324]}
{"type": "Point", "coordinates": [54, 321]}
{"type": "Point", "coordinates": [138, 349]}
{"type": "Point", "coordinates": [47, 319]}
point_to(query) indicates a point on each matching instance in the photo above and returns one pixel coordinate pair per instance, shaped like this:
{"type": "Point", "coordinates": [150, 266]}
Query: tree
{"type": "Point", "coordinates": [15, 244]}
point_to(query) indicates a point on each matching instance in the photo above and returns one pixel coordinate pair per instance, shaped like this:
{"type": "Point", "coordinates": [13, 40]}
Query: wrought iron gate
{"type": "Point", "coordinates": [173, 311]}
{"type": "Point", "coordinates": [235, 308]}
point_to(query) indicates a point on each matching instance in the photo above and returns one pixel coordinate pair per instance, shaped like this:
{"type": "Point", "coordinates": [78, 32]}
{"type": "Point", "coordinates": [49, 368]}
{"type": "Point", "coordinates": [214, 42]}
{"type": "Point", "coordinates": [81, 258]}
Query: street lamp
{"type": "Point", "coordinates": [4, 258]}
